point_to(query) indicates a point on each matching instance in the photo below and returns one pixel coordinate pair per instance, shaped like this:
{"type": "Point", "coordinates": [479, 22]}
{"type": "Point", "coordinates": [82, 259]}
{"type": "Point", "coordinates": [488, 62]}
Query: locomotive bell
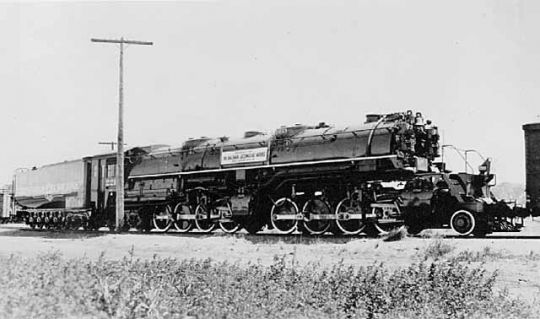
{"type": "Point", "coordinates": [419, 120]}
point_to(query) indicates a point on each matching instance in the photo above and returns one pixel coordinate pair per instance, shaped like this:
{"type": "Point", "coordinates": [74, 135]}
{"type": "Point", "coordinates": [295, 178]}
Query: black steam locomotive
{"type": "Point", "coordinates": [314, 179]}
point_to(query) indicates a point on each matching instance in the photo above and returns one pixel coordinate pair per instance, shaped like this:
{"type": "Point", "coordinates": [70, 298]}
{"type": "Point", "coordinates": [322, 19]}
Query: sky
{"type": "Point", "coordinates": [224, 67]}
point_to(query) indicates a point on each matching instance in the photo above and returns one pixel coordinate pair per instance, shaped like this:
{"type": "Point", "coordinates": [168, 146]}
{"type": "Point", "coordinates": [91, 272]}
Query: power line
{"type": "Point", "coordinates": [112, 144]}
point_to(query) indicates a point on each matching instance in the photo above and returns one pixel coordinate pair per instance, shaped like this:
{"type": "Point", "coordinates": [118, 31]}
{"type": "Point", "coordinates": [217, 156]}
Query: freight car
{"type": "Point", "coordinates": [313, 179]}
{"type": "Point", "coordinates": [6, 208]}
{"type": "Point", "coordinates": [532, 166]}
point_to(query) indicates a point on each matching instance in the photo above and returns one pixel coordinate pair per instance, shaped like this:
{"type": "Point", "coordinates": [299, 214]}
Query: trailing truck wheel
{"type": "Point", "coordinates": [463, 222]}
{"type": "Point", "coordinates": [345, 209]}
{"type": "Point", "coordinates": [229, 226]}
{"type": "Point", "coordinates": [386, 229]}
{"type": "Point", "coordinates": [371, 231]}
{"type": "Point", "coordinates": [182, 225]}
{"type": "Point", "coordinates": [283, 216]}
{"type": "Point", "coordinates": [203, 223]}
{"type": "Point", "coordinates": [252, 223]}
{"type": "Point", "coordinates": [162, 218]}
{"type": "Point", "coordinates": [315, 208]}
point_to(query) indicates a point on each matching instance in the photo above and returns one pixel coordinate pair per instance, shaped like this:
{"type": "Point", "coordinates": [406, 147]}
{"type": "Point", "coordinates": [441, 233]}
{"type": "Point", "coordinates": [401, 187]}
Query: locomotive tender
{"type": "Point", "coordinates": [310, 178]}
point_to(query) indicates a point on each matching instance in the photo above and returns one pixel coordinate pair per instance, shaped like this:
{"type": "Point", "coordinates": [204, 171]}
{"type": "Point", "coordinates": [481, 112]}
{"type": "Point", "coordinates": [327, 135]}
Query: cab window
{"type": "Point", "coordinates": [111, 170]}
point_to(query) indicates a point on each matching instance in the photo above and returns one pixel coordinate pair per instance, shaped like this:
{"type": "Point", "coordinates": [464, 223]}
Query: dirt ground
{"type": "Point", "coordinates": [516, 256]}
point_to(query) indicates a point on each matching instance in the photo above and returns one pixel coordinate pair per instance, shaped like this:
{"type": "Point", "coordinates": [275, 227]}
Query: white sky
{"type": "Point", "coordinates": [223, 67]}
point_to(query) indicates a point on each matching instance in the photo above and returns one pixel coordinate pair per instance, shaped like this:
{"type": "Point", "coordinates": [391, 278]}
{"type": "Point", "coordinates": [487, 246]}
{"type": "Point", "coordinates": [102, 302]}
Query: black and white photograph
{"type": "Point", "coordinates": [294, 159]}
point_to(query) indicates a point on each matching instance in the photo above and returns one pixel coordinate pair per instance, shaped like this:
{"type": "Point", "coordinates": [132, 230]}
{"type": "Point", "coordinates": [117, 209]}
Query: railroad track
{"type": "Point", "coordinates": [270, 236]}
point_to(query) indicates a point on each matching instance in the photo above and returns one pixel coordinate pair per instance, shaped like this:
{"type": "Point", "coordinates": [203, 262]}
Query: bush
{"type": "Point", "coordinates": [52, 287]}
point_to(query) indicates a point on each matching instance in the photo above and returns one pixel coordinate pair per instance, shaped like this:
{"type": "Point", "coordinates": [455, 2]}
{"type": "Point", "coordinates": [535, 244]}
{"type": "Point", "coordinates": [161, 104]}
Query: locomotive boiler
{"type": "Point", "coordinates": [301, 177]}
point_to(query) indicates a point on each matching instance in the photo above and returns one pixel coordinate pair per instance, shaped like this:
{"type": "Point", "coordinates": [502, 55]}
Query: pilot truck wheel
{"type": "Point", "coordinates": [463, 222]}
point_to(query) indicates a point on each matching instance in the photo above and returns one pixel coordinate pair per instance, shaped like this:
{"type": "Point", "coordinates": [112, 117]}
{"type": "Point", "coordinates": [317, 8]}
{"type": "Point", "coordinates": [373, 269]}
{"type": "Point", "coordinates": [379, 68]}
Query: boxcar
{"type": "Point", "coordinates": [532, 166]}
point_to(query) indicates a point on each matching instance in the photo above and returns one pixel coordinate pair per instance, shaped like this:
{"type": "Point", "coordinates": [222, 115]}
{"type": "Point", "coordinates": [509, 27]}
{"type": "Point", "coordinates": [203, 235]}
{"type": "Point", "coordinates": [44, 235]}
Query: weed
{"type": "Point", "coordinates": [50, 286]}
{"type": "Point", "coordinates": [430, 233]}
{"type": "Point", "coordinates": [479, 256]}
{"type": "Point", "coordinates": [437, 248]}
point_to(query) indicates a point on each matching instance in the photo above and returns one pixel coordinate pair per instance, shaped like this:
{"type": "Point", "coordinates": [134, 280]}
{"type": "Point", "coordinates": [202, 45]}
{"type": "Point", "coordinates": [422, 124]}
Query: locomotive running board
{"type": "Point", "coordinates": [343, 160]}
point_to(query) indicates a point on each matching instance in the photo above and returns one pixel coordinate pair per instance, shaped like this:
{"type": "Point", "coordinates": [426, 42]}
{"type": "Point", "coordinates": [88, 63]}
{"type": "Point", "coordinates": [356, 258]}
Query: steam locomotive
{"type": "Point", "coordinates": [365, 178]}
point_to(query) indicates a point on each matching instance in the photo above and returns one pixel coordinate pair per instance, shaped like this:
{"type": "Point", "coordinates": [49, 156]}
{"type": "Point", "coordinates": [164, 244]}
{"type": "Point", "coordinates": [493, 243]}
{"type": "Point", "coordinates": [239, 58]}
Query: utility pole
{"type": "Point", "coordinates": [120, 149]}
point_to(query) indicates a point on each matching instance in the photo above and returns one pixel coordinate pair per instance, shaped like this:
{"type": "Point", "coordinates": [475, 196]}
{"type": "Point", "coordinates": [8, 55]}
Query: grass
{"type": "Point", "coordinates": [532, 256]}
{"type": "Point", "coordinates": [486, 254]}
{"type": "Point", "coordinates": [437, 248]}
{"type": "Point", "coordinates": [50, 286]}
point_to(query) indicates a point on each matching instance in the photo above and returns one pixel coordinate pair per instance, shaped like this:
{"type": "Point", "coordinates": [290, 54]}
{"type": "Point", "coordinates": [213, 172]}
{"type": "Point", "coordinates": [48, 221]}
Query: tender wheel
{"type": "Point", "coordinates": [349, 226]}
{"type": "Point", "coordinates": [312, 209]}
{"type": "Point", "coordinates": [463, 222]}
{"type": "Point", "coordinates": [202, 221]}
{"type": "Point", "coordinates": [182, 225]}
{"type": "Point", "coordinates": [162, 218]}
{"type": "Point", "coordinates": [283, 216]}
